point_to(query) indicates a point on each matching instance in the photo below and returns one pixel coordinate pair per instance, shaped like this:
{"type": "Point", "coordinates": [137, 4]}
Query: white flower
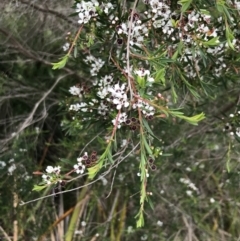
{"type": "Point", "coordinates": [114, 121]}
{"type": "Point", "coordinates": [122, 29]}
{"type": "Point", "coordinates": [83, 223]}
{"type": "Point", "coordinates": [78, 7]}
{"type": "Point", "coordinates": [79, 168]}
{"type": "Point", "coordinates": [75, 91]}
{"type": "Point", "coordinates": [150, 79]}
{"type": "Point", "coordinates": [192, 186]}
{"type": "Point", "coordinates": [57, 169]}
{"type": "Point", "coordinates": [105, 81]}
{"type": "Point", "coordinates": [75, 107]}
{"type": "Point", "coordinates": [142, 72]}
{"type": "Point", "coordinates": [96, 66]}
{"type": "Point", "coordinates": [78, 232]}
{"type": "Point", "coordinates": [47, 178]}
{"type": "Point", "coordinates": [89, 59]}
{"type": "Point", "coordinates": [2, 164]}
{"type": "Point", "coordinates": [66, 46]}
{"type": "Point", "coordinates": [212, 200]}
{"type": "Point", "coordinates": [159, 223]}
{"type": "Point", "coordinates": [107, 7]}
{"type": "Point", "coordinates": [44, 176]}
{"type": "Point", "coordinates": [11, 169]}
{"type": "Point", "coordinates": [144, 237]}
{"type": "Point", "coordinates": [83, 105]}
{"type": "Point", "coordinates": [37, 130]}
{"type": "Point", "coordinates": [189, 193]}
{"type": "Point", "coordinates": [83, 18]}
{"type": "Point", "coordinates": [122, 117]}
{"type": "Point", "coordinates": [11, 160]}
{"type": "Point", "coordinates": [79, 159]}
{"type": "Point", "coordinates": [124, 143]}
{"type": "Point", "coordinates": [102, 93]}
{"type": "Point", "coordinates": [49, 169]}
{"type": "Point", "coordinates": [238, 131]}
{"type": "Point", "coordinates": [102, 109]}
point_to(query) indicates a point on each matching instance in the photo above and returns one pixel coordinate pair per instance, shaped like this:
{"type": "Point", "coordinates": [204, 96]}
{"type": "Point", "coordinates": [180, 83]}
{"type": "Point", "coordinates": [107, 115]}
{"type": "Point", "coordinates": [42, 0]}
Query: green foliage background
{"type": "Point", "coordinates": [31, 38]}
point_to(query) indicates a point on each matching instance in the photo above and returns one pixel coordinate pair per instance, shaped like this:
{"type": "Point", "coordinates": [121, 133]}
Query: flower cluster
{"type": "Point", "coordinates": [76, 90]}
{"type": "Point", "coordinates": [79, 168]}
{"type": "Point", "coordinates": [190, 185]}
{"type": "Point", "coordinates": [118, 96]}
{"type": "Point", "coordinates": [233, 125]}
{"type": "Point", "coordinates": [111, 97]}
{"type": "Point", "coordinates": [87, 160]}
{"type": "Point", "coordinates": [160, 14]}
{"type": "Point", "coordinates": [52, 175]}
{"type": "Point", "coordinates": [86, 10]}
{"type": "Point", "coordinates": [141, 72]}
{"type": "Point", "coordinates": [137, 33]}
{"type": "Point", "coordinates": [120, 119]}
{"type": "Point", "coordinates": [95, 64]}
{"type": "Point", "coordinates": [66, 46]}
{"type": "Point", "coordinates": [145, 107]}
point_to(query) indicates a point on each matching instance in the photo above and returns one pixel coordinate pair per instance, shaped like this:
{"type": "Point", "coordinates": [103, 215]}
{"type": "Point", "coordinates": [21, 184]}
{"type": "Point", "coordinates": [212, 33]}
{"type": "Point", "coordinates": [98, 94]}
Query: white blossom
{"type": "Point", "coordinates": [49, 169]}
{"type": "Point", "coordinates": [75, 91]}
{"type": "Point", "coordinates": [66, 46]}
{"type": "Point", "coordinates": [159, 223]}
{"type": "Point", "coordinates": [79, 168]}
{"type": "Point", "coordinates": [11, 169]}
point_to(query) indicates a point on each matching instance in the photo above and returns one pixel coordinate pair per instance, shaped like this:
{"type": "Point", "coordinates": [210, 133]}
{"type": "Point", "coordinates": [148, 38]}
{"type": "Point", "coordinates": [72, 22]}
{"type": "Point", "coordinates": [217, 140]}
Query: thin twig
{"type": "Point", "coordinates": [111, 212]}
{"type": "Point", "coordinates": [29, 120]}
{"type": "Point", "coordinates": [114, 174]}
{"type": "Point", "coordinates": [5, 234]}
{"type": "Point", "coordinates": [88, 184]}
{"type": "Point", "coordinates": [75, 40]}
{"type": "Point", "coordinates": [130, 25]}
{"type": "Point", "coordinates": [57, 14]}
{"type": "Point", "coordinates": [90, 142]}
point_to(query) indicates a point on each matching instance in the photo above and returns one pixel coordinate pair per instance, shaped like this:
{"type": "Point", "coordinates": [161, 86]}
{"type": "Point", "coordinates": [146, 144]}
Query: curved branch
{"type": "Point", "coordinates": [57, 14]}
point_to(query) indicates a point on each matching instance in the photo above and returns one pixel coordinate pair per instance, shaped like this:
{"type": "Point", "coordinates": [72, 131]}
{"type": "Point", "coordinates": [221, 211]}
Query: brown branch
{"type": "Point", "coordinates": [57, 14]}
{"type": "Point", "coordinates": [28, 53]}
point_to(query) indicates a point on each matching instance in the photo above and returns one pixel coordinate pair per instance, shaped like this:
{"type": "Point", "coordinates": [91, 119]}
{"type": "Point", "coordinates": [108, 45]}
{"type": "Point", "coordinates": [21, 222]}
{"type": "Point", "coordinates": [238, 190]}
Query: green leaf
{"type": "Point", "coordinates": [150, 203]}
{"type": "Point", "coordinates": [174, 94]}
{"type": "Point", "coordinates": [109, 155]}
{"type": "Point", "coordinates": [61, 63]}
{"type": "Point", "coordinates": [142, 166]}
{"type": "Point", "coordinates": [160, 76]}
{"type": "Point", "coordinates": [228, 157]}
{"type": "Point", "coordinates": [39, 188]}
{"type": "Point", "coordinates": [75, 52]}
{"type": "Point", "coordinates": [175, 55]}
{"type": "Point", "coordinates": [192, 120]}
{"type": "Point", "coordinates": [185, 4]}
{"type": "Point", "coordinates": [147, 147]}
{"type": "Point", "coordinates": [230, 37]}
{"type": "Point", "coordinates": [174, 23]}
{"type": "Point", "coordinates": [141, 81]}
{"type": "Point", "coordinates": [92, 171]}
{"type": "Point", "coordinates": [146, 125]}
{"type": "Point", "coordinates": [212, 42]}
{"type": "Point", "coordinates": [140, 221]}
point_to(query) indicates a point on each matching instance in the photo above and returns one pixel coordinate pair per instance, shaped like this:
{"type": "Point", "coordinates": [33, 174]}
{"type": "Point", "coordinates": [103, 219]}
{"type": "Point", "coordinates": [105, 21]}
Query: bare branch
{"type": "Point", "coordinates": [57, 14]}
